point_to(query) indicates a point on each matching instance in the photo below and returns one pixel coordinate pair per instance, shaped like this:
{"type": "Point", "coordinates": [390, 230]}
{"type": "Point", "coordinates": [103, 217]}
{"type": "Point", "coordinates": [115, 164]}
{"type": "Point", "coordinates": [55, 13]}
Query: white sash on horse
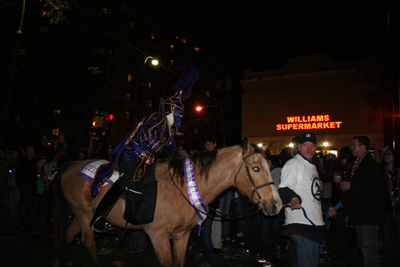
{"type": "Point", "coordinates": [195, 199]}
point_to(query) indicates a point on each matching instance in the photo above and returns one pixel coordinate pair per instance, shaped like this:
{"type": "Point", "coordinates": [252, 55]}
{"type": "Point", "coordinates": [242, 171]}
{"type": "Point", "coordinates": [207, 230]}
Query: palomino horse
{"type": "Point", "coordinates": [239, 166]}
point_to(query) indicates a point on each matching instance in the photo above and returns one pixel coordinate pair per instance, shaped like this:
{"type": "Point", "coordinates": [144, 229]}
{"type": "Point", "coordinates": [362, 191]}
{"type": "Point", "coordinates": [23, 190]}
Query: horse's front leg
{"type": "Point", "coordinates": [180, 247]}
{"type": "Point", "coordinates": [162, 247]}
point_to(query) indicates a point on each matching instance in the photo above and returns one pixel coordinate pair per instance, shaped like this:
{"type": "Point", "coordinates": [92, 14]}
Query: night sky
{"type": "Point", "coordinates": [263, 34]}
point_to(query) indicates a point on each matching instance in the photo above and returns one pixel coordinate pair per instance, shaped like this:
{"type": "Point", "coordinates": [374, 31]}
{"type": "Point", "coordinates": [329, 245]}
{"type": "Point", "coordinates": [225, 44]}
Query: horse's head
{"type": "Point", "coordinates": [254, 180]}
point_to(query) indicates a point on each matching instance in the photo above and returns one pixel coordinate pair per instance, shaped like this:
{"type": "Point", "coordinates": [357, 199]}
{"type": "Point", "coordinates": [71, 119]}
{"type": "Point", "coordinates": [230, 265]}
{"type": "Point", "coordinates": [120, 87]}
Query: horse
{"type": "Point", "coordinates": [240, 166]}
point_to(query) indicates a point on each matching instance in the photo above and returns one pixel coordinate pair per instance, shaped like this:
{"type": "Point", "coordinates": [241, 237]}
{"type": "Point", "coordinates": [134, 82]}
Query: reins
{"type": "Point", "coordinates": [336, 207]}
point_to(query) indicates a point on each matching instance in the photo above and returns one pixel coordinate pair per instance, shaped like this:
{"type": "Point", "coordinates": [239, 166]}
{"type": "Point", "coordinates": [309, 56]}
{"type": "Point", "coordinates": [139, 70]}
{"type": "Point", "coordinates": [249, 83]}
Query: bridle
{"type": "Point", "coordinates": [251, 178]}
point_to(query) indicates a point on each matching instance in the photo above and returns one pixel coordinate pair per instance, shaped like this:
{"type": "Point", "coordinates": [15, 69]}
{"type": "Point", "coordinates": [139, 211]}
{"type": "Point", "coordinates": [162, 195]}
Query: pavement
{"type": "Point", "coordinates": [37, 250]}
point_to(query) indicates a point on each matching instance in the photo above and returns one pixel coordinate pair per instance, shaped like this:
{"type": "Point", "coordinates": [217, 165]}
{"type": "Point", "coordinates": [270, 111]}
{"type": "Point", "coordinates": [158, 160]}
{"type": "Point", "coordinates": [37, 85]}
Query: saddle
{"type": "Point", "coordinates": [140, 194]}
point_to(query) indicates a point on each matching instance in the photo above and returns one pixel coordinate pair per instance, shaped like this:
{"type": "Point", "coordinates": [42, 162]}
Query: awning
{"type": "Point", "coordinates": [326, 148]}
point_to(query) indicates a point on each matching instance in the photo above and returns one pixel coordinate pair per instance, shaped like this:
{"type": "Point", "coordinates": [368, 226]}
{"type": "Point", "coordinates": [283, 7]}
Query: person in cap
{"type": "Point", "coordinates": [154, 135]}
{"type": "Point", "coordinates": [300, 186]}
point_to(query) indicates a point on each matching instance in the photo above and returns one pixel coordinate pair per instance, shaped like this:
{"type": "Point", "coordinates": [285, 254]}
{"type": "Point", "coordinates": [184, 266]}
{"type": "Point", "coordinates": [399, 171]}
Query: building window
{"type": "Point", "coordinates": [172, 47]}
{"type": "Point", "coordinates": [130, 77]}
{"type": "Point", "coordinates": [17, 117]}
{"type": "Point", "coordinates": [44, 29]}
{"type": "Point", "coordinates": [208, 94]}
{"type": "Point", "coordinates": [105, 11]}
{"type": "Point", "coordinates": [151, 85]}
{"type": "Point", "coordinates": [129, 115]}
{"type": "Point", "coordinates": [99, 50]}
{"type": "Point", "coordinates": [152, 36]}
{"type": "Point", "coordinates": [22, 51]}
{"type": "Point", "coordinates": [57, 113]}
{"type": "Point", "coordinates": [197, 49]}
{"type": "Point", "coordinates": [149, 102]}
{"type": "Point", "coordinates": [55, 131]}
{"type": "Point", "coordinates": [97, 70]}
{"type": "Point", "coordinates": [196, 130]}
{"type": "Point", "coordinates": [172, 62]}
{"type": "Point", "coordinates": [129, 96]}
{"type": "Point", "coordinates": [218, 84]}
{"type": "Point", "coordinates": [183, 39]}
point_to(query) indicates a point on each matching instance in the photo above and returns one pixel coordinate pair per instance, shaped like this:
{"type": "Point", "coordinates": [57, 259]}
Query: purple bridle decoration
{"type": "Point", "coordinates": [194, 194]}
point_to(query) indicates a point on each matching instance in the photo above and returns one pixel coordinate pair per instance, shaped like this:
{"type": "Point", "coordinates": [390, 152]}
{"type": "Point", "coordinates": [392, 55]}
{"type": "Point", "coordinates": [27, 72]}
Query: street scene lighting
{"type": "Point", "coordinates": [199, 108]}
{"type": "Point", "coordinates": [154, 61]}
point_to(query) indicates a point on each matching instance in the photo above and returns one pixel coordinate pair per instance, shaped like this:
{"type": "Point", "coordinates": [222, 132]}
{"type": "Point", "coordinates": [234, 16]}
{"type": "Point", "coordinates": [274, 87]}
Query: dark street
{"type": "Point", "coordinates": [37, 250]}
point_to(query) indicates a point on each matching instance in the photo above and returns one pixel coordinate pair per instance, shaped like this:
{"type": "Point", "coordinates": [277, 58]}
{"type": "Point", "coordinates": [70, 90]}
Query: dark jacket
{"type": "Point", "coordinates": [26, 175]}
{"type": "Point", "coordinates": [368, 199]}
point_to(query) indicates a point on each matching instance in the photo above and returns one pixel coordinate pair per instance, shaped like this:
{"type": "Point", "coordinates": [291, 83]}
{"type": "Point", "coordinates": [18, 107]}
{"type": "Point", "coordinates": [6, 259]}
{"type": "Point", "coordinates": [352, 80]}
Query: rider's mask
{"type": "Point", "coordinates": [177, 111]}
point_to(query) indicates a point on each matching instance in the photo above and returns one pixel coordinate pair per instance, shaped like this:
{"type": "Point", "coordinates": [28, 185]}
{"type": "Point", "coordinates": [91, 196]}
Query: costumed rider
{"type": "Point", "coordinates": [154, 135]}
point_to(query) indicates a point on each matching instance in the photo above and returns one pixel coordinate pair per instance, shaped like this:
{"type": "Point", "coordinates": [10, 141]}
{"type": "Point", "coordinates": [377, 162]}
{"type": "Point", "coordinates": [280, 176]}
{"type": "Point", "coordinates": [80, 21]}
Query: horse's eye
{"type": "Point", "coordinates": [256, 169]}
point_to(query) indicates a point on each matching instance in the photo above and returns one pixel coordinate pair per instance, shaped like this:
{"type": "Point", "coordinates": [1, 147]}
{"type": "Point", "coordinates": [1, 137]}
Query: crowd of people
{"type": "Point", "coordinates": [369, 193]}
{"type": "Point", "coordinates": [26, 174]}
{"type": "Point", "coordinates": [366, 225]}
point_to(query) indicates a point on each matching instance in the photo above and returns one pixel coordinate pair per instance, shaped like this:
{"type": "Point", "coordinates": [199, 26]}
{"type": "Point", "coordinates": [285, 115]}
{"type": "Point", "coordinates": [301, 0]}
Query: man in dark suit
{"type": "Point", "coordinates": [367, 199]}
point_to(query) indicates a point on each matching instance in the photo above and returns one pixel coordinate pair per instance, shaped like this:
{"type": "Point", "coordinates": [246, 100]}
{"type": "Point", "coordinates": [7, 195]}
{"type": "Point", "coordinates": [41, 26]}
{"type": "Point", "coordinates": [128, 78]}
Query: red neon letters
{"type": "Point", "coordinates": [309, 123]}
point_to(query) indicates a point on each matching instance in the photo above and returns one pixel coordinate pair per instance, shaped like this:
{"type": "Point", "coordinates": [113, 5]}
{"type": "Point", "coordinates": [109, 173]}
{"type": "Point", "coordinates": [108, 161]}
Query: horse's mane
{"type": "Point", "coordinates": [201, 160]}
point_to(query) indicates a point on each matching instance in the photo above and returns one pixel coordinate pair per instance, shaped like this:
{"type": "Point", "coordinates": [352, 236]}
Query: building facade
{"type": "Point", "coordinates": [336, 101]}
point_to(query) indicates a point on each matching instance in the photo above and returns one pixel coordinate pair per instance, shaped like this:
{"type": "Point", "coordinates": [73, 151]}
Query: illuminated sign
{"type": "Point", "coordinates": [309, 123]}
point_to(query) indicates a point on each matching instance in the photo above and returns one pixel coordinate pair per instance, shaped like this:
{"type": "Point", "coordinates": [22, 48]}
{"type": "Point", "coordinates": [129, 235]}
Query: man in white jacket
{"type": "Point", "coordinates": [301, 186]}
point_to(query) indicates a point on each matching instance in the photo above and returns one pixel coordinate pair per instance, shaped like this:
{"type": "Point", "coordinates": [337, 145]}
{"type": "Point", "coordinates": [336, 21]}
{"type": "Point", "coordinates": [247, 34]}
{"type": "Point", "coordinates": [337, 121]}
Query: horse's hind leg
{"type": "Point", "coordinates": [81, 223]}
{"type": "Point", "coordinates": [73, 229]}
{"type": "Point", "coordinates": [180, 247]}
{"type": "Point", "coordinates": [162, 248]}
{"type": "Point", "coordinates": [90, 244]}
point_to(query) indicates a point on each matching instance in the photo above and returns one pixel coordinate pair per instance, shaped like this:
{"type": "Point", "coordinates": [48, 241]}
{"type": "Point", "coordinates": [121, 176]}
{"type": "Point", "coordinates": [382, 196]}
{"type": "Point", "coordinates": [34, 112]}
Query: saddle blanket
{"type": "Point", "coordinates": [89, 170]}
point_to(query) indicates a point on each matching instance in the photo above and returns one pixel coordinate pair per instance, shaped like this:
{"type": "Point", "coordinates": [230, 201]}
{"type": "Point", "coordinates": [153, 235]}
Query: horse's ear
{"type": "Point", "coordinates": [245, 144]}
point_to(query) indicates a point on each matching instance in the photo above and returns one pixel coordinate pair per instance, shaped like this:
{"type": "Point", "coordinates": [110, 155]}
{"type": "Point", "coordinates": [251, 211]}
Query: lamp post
{"type": "Point", "coordinates": [154, 62]}
{"type": "Point", "coordinates": [199, 108]}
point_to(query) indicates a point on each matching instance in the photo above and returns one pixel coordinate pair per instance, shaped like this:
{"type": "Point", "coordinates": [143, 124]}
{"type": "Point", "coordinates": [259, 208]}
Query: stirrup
{"type": "Point", "coordinates": [98, 224]}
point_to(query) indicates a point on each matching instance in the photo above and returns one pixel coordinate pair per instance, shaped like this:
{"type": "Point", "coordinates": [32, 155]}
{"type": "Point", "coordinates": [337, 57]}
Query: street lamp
{"type": "Point", "coordinates": [154, 61]}
{"type": "Point", "coordinates": [199, 108]}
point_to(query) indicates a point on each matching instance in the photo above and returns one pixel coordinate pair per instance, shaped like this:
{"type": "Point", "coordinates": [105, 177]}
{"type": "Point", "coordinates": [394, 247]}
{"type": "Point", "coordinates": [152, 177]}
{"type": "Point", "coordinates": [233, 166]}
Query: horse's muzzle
{"type": "Point", "coordinates": [271, 208]}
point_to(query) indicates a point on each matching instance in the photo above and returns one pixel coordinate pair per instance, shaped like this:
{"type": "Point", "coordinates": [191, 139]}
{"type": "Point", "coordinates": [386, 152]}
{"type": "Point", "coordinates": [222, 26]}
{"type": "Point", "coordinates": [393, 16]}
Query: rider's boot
{"type": "Point", "coordinates": [98, 222]}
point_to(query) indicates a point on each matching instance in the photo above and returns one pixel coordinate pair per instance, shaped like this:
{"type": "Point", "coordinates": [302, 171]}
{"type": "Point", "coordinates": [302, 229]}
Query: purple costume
{"type": "Point", "coordinates": [154, 132]}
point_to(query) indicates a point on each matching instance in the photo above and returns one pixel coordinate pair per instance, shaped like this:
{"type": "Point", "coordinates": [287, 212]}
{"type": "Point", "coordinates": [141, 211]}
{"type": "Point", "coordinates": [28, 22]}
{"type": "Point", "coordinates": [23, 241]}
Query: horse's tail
{"type": "Point", "coordinates": [60, 217]}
